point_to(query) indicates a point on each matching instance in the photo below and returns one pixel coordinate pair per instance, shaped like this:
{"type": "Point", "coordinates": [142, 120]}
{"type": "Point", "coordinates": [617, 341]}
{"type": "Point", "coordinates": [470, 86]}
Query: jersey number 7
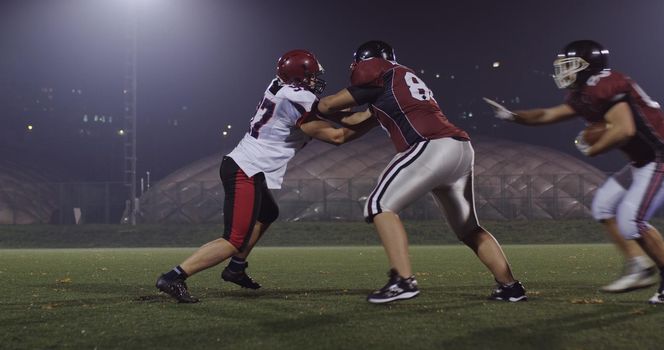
{"type": "Point", "coordinates": [263, 114]}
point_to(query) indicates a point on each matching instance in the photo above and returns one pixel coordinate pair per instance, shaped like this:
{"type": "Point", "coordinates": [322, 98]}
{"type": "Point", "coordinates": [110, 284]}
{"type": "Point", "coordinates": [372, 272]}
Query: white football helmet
{"type": "Point", "coordinates": [565, 69]}
{"type": "Point", "coordinates": [578, 61]}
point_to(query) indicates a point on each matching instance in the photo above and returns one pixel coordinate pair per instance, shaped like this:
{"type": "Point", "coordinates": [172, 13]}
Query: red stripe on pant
{"type": "Point", "coordinates": [243, 209]}
{"type": "Point", "coordinates": [654, 186]}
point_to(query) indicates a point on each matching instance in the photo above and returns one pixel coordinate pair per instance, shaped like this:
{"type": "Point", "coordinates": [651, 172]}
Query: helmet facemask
{"type": "Point", "coordinates": [565, 70]}
{"type": "Point", "coordinates": [316, 83]}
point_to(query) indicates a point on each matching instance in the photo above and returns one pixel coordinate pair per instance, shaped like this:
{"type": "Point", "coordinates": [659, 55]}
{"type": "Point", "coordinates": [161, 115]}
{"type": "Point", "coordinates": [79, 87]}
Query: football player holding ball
{"type": "Point", "coordinates": [620, 115]}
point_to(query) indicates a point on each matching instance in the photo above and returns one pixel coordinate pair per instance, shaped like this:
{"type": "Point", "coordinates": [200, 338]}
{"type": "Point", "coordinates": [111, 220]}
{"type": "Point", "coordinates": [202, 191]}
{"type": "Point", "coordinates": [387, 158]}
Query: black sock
{"type": "Point", "coordinates": [237, 264]}
{"type": "Point", "coordinates": [176, 273]}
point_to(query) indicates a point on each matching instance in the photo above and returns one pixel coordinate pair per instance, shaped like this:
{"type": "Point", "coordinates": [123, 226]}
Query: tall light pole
{"type": "Point", "coordinates": [130, 85]}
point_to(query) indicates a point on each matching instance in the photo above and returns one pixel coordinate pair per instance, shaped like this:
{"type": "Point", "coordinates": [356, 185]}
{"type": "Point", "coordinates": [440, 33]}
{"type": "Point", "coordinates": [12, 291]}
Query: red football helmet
{"type": "Point", "coordinates": [301, 68]}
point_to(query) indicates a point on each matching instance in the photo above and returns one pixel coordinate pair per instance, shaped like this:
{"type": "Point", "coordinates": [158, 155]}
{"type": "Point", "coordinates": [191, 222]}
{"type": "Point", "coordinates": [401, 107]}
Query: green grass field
{"type": "Point", "coordinates": [313, 298]}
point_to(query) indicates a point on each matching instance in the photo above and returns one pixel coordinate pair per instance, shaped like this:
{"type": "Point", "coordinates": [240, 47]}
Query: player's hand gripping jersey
{"type": "Point", "coordinates": [402, 102]}
{"type": "Point", "coordinates": [608, 88]}
{"type": "Point", "coordinates": [274, 135]}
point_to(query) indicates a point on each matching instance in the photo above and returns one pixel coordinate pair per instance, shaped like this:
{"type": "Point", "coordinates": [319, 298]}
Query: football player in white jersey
{"type": "Point", "coordinates": [282, 125]}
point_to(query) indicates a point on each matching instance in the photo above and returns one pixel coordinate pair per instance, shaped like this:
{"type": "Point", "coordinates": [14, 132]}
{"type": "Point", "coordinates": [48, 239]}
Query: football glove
{"type": "Point", "coordinates": [499, 110]}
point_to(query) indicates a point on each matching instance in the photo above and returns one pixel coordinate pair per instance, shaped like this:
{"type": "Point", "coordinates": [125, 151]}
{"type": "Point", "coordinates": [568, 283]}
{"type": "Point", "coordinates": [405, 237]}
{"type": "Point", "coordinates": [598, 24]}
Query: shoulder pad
{"type": "Point", "coordinates": [298, 95]}
{"type": "Point", "coordinates": [370, 72]}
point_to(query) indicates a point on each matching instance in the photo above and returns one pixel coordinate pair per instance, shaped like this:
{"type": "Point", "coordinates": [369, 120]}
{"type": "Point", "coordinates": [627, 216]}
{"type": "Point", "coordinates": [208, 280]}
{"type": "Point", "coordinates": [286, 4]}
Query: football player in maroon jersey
{"type": "Point", "coordinates": [434, 156]}
{"type": "Point", "coordinates": [283, 124]}
{"type": "Point", "coordinates": [627, 200]}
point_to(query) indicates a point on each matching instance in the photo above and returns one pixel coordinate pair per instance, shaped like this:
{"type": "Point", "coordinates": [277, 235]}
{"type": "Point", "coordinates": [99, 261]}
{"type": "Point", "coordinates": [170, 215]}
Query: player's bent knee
{"type": "Point", "coordinates": [601, 212]}
{"type": "Point", "coordinates": [369, 215]}
{"type": "Point", "coordinates": [269, 217]}
{"type": "Point", "coordinates": [630, 228]}
{"type": "Point", "coordinates": [602, 207]}
{"type": "Point", "coordinates": [236, 242]}
{"type": "Point", "coordinates": [466, 233]}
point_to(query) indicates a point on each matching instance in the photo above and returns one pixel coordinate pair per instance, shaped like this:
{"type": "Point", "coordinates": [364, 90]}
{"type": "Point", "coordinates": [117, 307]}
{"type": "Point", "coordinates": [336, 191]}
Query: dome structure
{"type": "Point", "coordinates": [512, 181]}
{"type": "Point", "coordinates": [25, 196]}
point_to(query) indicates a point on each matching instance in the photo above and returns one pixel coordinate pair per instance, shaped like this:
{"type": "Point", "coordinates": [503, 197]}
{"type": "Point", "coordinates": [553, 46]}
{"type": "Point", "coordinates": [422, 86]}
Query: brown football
{"type": "Point", "coordinates": [594, 131]}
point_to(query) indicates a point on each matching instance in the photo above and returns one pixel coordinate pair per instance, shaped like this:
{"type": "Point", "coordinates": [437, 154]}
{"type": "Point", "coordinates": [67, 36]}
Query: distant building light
{"type": "Point", "coordinates": [421, 71]}
{"type": "Point", "coordinates": [452, 76]}
{"type": "Point", "coordinates": [225, 133]}
{"type": "Point", "coordinates": [228, 126]}
{"type": "Point", "coordinates": [496, 64]}
{"type": "Point", "coordinates": [437, 75]}
{"type": "Point", "coordinates": [175, 122]}
{"type": "Point", "coordinates": [121, 132]}
{"type": "Point", "coordinates": [85, 118]}
{"type": "Point", "coordinates": [29, 127]}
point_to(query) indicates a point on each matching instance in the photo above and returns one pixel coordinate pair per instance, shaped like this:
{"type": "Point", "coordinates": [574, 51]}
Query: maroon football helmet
{"type": "Point", "coordinates": [301, 68]}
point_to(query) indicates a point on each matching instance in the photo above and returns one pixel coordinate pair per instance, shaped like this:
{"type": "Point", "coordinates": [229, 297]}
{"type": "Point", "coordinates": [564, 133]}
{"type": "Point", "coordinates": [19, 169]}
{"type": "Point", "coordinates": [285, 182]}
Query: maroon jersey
{"type": "Point", "coordinates": [405, 106]}
{"type": "Point", "coordinates": [608, 88]}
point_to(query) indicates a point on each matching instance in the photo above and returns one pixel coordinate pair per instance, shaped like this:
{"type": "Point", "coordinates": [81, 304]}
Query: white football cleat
{"type": "Point", "coordinates": [658, 298]}
{"type": "Point", "coordinates": [632, 280]}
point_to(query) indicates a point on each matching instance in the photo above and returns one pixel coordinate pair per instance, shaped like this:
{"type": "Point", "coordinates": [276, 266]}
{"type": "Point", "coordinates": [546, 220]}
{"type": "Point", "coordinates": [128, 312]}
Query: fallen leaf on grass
{"type": "Point", "coordinates": [63, 280]}
{"type": "Point", "coordinates": [587, 301]}
{"type": "Point", "coordinates": [49, 306]}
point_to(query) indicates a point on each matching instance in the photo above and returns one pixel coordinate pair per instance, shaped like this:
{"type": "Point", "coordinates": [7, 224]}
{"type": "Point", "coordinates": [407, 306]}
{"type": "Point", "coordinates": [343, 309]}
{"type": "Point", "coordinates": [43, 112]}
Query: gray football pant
{"type": "Point", "coordinates": [442, 167]}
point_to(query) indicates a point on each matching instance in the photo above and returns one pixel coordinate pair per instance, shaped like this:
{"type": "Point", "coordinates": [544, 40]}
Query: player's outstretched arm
{"type": "Point", "coordinates": [326, 132]}
{"type": "Point", "coordinates": [356, 118]}
{"type": "Point", "coordinates": [329, 105]}
{"type": "Point", "coordinates": [335, 108]}
{"type": "Point", "coordinates": [537, 116]}
{"type": "Point", "coordinates": [622, 129]}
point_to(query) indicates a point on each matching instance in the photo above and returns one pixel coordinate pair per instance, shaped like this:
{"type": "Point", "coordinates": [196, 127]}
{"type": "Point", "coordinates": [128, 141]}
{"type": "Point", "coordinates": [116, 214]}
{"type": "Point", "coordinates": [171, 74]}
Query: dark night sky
{"type": "Point", "coordinates": [206, 63]}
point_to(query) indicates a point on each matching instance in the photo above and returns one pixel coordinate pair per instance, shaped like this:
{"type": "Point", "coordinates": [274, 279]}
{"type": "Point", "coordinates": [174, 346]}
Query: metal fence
{"type": "Point", "coordinates": [500, 197]}
{"type": "Point", "coordinates": [63, 203]}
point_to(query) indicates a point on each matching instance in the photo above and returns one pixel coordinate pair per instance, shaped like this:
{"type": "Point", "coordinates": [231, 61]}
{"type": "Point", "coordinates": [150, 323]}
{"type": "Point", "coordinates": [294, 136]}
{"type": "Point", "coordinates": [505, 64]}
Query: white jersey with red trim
{"type": "Point", "coordinates": [274, 134]}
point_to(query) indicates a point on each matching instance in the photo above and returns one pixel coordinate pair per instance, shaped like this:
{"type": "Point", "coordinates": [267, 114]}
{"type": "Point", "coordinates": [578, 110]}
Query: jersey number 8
{"type": "Point", "coordinates": [418, 89]}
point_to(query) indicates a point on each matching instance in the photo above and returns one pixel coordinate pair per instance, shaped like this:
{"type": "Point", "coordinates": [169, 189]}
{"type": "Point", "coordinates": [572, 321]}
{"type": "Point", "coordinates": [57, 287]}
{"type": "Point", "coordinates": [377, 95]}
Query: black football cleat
{"type": "Point", "coordinates": [397, 288]}
{"type": "Point", "coordinates": [511, 293]}
{"type": "Point", "coordinates": [240, 278]}
{"type": "Point", "coordinates": [177, 289]}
